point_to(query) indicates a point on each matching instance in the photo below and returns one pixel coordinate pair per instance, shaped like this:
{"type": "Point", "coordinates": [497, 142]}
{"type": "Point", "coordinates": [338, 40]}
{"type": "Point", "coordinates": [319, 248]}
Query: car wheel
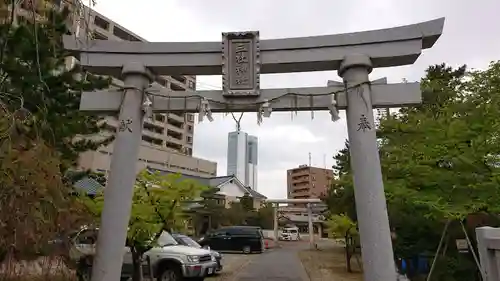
{"type": "Point", "coordinates": [84, 273]}
{"type": "Point", "coordinates": [247, 250]}
{"type": "Point", "coordinates": [170, 274]}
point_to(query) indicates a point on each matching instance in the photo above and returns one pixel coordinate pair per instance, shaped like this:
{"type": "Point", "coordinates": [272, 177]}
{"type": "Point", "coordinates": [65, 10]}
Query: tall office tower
{"type": "Point", "coordinates": [252, 160]}
{"type": "Point", "coordinates": [236, 155]}
{"type": "Point", "coordinates": [242, 155]}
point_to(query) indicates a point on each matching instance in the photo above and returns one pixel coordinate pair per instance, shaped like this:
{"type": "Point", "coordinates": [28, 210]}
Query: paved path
{"type": "Point", "coordinates": [282, 264]}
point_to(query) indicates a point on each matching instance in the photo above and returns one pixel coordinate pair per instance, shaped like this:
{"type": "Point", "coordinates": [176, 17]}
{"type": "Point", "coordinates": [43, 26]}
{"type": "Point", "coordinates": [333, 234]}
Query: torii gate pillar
{"type": "Point", "coordinates": [119, 191]}
{"type": "Point", "coordinates": [371, 206]}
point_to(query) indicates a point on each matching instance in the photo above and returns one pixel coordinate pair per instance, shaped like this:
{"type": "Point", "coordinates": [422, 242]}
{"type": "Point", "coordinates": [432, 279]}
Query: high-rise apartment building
{"type": "Point", "coordinates": [308, 182]}
{"type": "Point", "coordinates": [242, 157]}
{"type": "Point", "coordinates": [167, 139]}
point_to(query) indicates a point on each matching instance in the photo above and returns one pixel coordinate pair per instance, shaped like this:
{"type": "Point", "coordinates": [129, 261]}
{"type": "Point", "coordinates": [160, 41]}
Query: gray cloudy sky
{"type": "Point", "coordinates": [471, 36]}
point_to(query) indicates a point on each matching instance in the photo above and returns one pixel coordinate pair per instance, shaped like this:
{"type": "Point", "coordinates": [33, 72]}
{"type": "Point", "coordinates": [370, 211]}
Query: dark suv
{"type": "Point", "coordinates": [246, 239]}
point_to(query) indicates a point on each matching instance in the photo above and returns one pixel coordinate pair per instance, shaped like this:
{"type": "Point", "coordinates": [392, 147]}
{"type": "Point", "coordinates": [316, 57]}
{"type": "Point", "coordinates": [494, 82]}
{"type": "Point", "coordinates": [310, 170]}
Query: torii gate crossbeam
{"type": "Point", "coordinates": [241, 58]}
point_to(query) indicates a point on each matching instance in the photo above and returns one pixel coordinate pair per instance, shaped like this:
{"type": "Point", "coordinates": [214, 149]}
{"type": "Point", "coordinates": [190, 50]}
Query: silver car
{"type": "Point", "coordinates": [169, 261]}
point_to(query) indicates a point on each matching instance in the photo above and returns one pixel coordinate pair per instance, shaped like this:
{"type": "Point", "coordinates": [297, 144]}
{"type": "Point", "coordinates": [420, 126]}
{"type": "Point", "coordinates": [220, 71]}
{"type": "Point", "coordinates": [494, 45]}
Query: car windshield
{"type": "Point", "coordinates": [166, 239]}
{"type": "Point", "coordinates": [189, 242]}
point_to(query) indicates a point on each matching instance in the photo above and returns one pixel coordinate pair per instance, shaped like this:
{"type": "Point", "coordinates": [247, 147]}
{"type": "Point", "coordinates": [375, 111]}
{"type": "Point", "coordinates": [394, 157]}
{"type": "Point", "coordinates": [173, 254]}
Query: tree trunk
{"type": "Point", "coordinates": [137, 264]}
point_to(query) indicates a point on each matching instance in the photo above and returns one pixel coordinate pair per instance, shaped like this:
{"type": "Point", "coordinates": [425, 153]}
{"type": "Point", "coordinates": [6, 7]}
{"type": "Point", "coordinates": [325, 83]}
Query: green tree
{"type": "Point", "coordinates": [36, 205]}
{"type": "Point", "coordinates": [440, 164]}
{"type": "Point", "coordinates": [39, 120]}
{"type": "Point", "coordinates": [439, 160]}
{"type": "Point", "coordinates": [210, 213]}
{"type": "Point", "coordinates": [157, 206]}
{"type": "Point", "coordinates": [235, 214]}
{"type": "Point", "coordinates": [342, 227]}
{"type": "Point", "coordinates": [38, 85]}
{"type": "Point", "coordinates": [265, 216]}
{"type": "Point", "coordinates": [340, 195]}
{"type": "Point", "coordinates": [246, 202]}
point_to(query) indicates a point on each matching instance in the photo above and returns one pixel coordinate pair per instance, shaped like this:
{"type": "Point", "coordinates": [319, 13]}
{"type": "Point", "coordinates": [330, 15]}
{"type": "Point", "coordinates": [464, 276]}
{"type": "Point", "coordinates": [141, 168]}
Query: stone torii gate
{"type": "Point", "coordinates": [276, 204]}
{"type": "Point", "coordinates": [241, 58]}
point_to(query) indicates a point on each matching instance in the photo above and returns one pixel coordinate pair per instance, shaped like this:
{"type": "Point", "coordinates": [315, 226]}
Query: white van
{"type": "Point", "coordinates": [290, 234]}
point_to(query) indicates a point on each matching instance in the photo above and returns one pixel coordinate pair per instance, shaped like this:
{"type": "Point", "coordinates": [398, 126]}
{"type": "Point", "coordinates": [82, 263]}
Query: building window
{"type": "Point", "coordinates": [175, 123]}
{"type": "Point", "coordinates": [160, 117]}
{"type": "Point", "coordinates": [153, 128]}
{"type": "Point", "coordinates": [122, 34]}
{"type": "Point", "coordinates": [191, 85]}
{"type": "Point", "coordinates": [99, 36]}
{"type": "Point", "coordinates": [100, 22]}
{"type": "Point", "coordinates": [175, 87]}
{"type": "Point", "coordinates": [190, 117]}
{"type": "Point", "coordinates": [190, 127]}
{"type": "Point", "coordinates": [173, 146]}
{"type": "Point", "coordinates": [180, 78]}
{"type": "Point", "coordinates": [161, 80]}
{"type": "Point", "coordinates": [151, 140]}
{"type": "Point", "coordinates": [174, 134]}
{"type": "Point", "coordinates": [189, 139]}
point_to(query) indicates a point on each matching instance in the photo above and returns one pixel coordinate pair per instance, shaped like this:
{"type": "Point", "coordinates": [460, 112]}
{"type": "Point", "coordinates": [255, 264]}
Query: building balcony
{"type": "Point", "coordinates": [301, 193]}
{"type": "Point", "coordinates": [155, 125]}
{"type": "Point", "coordinates": [154, 135]}
{"type": "Point", "coordinates": [174, 146]}
{"type": "Point", "coordinates": [300, 180]}
{"type": "Point", "coordinates": [176, 117]}
{"type": "Point", "coordinates": [299, 173]}
{"type": "Point", "coordinates": [175, 129]}
{"type": "Point", "coordinates": [175, 136]}
{"type": "Point", "coordinates": [175, 124]}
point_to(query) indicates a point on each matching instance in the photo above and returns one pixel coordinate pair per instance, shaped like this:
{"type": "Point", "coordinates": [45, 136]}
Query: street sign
{"type": "Point", "coordinates": [462, 245]}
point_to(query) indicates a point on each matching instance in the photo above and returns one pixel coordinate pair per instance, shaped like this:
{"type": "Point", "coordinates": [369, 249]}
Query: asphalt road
{"type": "Point", "coordinates": [280, 264]}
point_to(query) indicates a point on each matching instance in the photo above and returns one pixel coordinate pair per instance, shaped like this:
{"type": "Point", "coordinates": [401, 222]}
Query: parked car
{"type": "Point", "coordinates": [246, 239]}
{"type": "Point", "coordinates": [290, 234]}
{"type": "Point", "coordinates": [188, 241]}
{"type": "Point", "coordinates": [169, 261]}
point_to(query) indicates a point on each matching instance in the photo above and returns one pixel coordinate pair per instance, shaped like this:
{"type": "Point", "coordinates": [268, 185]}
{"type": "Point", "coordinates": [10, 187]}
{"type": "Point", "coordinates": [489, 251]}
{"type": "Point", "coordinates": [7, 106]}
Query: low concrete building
{"type": "Point", "coordinates": [153, 157]}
